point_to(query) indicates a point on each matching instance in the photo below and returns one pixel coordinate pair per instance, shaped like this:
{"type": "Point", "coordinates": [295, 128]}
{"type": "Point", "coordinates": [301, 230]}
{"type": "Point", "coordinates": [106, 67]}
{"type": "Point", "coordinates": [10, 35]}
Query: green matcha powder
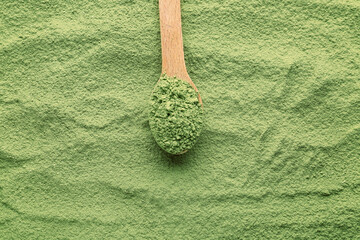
{"type": "Point", "coordinates": [176, 115]}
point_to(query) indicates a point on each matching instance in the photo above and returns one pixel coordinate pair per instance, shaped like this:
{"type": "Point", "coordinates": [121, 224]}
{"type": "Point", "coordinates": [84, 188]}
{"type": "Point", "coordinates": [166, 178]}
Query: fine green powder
{"type": "Point", "coordinates": [278, 156]}
{"type": "Point", "coordinates": [176, 115]}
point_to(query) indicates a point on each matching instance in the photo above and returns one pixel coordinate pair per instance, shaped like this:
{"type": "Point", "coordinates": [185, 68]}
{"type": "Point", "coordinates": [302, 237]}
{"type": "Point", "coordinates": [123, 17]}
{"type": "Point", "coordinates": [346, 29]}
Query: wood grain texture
{"type": "Point", "coordinates": [173, 62]}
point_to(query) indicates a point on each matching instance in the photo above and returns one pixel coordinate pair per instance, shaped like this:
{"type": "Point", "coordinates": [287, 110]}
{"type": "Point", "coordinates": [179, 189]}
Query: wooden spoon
{"type": "Point", "coordinates": [173, 62]}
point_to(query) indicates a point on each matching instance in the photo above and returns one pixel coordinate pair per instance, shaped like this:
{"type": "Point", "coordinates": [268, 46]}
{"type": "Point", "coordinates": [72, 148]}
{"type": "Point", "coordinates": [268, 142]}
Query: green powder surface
{"type": "Point", "coordinates": [279, 153]}
{"type": "Point", "coordinates": [175, 117]}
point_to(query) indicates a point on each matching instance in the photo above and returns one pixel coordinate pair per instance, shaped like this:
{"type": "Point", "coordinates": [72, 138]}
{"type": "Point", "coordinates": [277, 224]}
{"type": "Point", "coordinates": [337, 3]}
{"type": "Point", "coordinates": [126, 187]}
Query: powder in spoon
{"type": "Point", "coordinates": [176, 115]}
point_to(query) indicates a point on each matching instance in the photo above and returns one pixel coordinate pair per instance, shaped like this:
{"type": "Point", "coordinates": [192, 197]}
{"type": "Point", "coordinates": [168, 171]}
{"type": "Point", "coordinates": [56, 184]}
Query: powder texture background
{"type": "Point", "coordinates": [279, 153]}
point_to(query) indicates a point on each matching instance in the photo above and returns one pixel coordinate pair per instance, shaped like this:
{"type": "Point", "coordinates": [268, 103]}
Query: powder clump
{"type": "Point", "coordinates": [176, 115]}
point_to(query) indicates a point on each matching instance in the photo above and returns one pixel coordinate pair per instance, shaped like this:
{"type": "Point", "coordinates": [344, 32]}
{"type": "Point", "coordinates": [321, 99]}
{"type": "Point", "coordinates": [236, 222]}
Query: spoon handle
{"type": "Point", "coordinates": [173, 63]}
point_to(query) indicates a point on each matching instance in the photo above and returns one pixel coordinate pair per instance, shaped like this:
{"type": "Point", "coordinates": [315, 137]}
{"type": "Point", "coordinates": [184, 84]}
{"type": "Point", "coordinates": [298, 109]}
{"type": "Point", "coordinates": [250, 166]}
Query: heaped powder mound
{"type": "Point", "coordinates": [176, 115]}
